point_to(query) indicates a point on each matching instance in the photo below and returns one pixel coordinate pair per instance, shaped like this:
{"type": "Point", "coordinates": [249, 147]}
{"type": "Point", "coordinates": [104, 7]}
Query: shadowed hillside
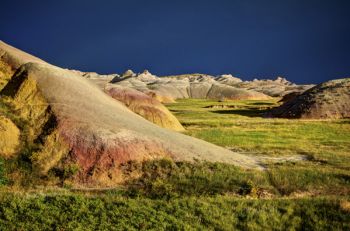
{"type": "Point", "coordinates": [329, 100]}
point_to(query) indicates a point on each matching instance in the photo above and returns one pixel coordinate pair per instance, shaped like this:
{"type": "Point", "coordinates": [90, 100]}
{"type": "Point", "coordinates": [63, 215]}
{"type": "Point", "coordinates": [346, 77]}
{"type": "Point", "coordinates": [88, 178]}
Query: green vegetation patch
{"type": "Point", "coordinates": [74, 212]}
{"type": "Point", "coordinates": [164, 179]}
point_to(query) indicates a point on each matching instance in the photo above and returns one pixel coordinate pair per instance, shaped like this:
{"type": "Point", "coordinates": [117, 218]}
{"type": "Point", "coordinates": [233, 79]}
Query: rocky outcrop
{"type": "Point", "coordinates": [329, 100]}
{"type": "Point", "coordinates": [73, 122]}
{"type": "Point", "coordinates": [128, 73]}
{"type": "Point", "coordinates": [146, 76]}
{"type": "Point", "coordinates": [228, 79]}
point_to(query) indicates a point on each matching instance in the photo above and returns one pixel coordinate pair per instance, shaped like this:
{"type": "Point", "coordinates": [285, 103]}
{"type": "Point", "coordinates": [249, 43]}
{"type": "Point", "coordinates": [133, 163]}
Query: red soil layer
{"type": "Point", "coordinates": [99, 158]}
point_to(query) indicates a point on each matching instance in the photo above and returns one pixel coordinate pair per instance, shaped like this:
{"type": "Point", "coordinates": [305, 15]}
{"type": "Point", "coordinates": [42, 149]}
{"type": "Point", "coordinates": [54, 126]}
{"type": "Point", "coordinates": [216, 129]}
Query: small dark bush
{"type": "Point", "coordinates": [3, 179]}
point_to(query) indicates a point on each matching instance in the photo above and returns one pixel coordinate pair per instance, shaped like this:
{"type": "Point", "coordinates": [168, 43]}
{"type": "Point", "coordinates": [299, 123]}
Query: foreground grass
{"type": "Point", "coordinates": [164, 179]}
{"type": "Point", "coordinates": [74, 212]}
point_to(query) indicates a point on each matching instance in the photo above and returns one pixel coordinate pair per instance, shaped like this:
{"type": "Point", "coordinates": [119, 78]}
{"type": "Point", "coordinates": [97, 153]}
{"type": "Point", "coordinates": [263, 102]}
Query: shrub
{"type": "Point", "coordinates": [3, 179]}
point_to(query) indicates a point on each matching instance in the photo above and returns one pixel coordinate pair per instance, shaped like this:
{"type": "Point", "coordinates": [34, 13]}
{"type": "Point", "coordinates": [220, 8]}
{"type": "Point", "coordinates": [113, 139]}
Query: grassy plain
{"type": "Point", "coordinates": [239, 125]}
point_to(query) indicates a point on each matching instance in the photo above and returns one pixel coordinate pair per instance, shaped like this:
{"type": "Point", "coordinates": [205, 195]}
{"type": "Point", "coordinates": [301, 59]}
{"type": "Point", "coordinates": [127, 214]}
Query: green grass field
{"type": "Point", "coordinates": [309, 193]}
{"type": "Point", "coordinates": [240, 125]}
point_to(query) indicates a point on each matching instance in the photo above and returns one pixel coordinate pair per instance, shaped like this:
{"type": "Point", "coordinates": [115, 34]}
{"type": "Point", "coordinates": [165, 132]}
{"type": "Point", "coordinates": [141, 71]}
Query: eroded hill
{"type": "Point", "coordinates": [67, 123]}
{"type": "Point", "coordinates": [329, 100]}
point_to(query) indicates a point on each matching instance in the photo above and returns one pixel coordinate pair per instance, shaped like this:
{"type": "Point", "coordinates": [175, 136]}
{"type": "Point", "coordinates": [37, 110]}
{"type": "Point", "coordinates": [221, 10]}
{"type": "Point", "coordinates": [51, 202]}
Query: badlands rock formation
{"type": "Point", "coordinates": [228, 79]}
{"type": "Point", "coordinates": [275, 88]}
{"type": "Point", "coordinates": [71, 121]}
{"type": "Point", "coordinates": [329, 100]}
{"type": "Point", "coordinates": [187, 86]}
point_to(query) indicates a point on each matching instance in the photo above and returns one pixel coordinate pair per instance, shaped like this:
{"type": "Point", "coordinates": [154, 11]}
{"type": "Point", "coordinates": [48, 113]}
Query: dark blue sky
{"type": "Point", "coordinates": [303, 40]}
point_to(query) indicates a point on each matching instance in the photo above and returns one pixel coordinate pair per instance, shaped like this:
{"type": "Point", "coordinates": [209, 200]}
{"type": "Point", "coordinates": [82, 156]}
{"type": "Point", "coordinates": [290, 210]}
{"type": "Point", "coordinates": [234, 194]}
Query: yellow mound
{"type": "Point", "coordinates": [147, 107]}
